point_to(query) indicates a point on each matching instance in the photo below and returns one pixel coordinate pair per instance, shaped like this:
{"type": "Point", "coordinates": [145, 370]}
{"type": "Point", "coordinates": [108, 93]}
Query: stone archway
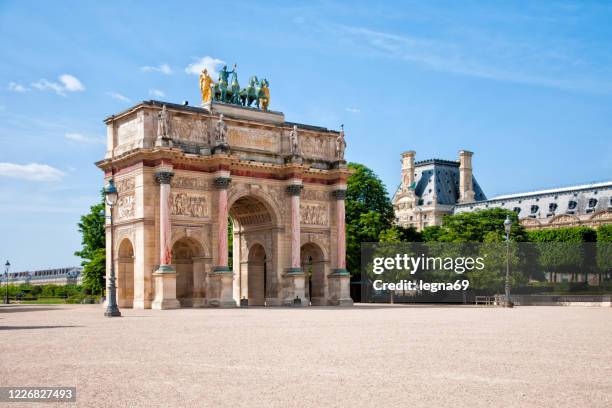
{"type": "Point", "coordinates": [186, 260]}
{"type": "Point", "coordinates": [254, 246]}
{"type": "Point", "coordinates": [256, 276]}
{"type": "Point", "coordinates": [125, 274]}
{"type": "Point", "coordinates": [313, 265]}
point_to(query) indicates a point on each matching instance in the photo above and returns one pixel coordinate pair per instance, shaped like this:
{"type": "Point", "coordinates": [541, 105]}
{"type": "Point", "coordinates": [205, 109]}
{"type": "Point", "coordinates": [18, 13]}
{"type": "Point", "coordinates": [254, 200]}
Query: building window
{"type": "Point", "coordinates": [552, 207]}
{"type": "Point", "coordinates": [572, 205]}
{"type": "Point", "coordinates": [592, 203]}
{"type": "Point", "coordinates": [534, 209]}
{"type": "Point", "coordinates": [517, 210]}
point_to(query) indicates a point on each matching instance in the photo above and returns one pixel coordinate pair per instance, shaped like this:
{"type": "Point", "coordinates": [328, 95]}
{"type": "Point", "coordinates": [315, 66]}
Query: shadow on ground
{"type": "Point", "coordinates": [23, 308]}
{"type": "Point", "coordinates": [33, 327]}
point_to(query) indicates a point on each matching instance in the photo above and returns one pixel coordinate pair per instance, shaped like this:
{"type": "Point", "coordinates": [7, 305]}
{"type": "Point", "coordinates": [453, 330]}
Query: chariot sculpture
{"type": "Point", "coordinates": [227, 89]}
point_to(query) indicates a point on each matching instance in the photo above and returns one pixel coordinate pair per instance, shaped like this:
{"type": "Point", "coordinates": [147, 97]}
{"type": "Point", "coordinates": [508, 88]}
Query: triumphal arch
{"type": "Point", "coordinates": [187, 177]}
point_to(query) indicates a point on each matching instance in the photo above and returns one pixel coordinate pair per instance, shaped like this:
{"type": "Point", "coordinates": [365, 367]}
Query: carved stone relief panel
{"type": "Point", "coordinates": [127, 131]}
{"type": "Point", "coordinates": [190, 205]}
{"type": "Point", "coordinates": [125, 206]}
{"type": "Point", "coordinates": [314, 214]}
{"type": "Point", "coordinates": [124, 185]}
{"type": "Point", "coordinates": [309, 194]}
{"type": "Point", "coordinates": [254, 138]}
{"type": "Point", "coordinates": [190, 183]}
{"type": "Point", "coordinates": [316, 146]}
{"type": "Point", "coordinates": [190, 129]}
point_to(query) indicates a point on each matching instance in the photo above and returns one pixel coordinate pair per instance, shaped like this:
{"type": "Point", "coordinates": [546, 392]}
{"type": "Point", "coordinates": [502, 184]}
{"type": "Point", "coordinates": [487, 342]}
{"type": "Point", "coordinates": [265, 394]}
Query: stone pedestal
{"type": "Point", "coordinates": [221, 288]}
{"type": "Point", "coordinates": [339, 288]}
{"type": "Point", "coordinates": [296, 280]}
{"type": "Point", "coordinates": [165, 289]}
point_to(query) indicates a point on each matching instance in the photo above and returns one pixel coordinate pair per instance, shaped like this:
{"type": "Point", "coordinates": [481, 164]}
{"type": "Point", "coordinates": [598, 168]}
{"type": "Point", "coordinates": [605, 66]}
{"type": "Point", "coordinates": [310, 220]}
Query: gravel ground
{"type": "Point", "coordinates": [393, 356]}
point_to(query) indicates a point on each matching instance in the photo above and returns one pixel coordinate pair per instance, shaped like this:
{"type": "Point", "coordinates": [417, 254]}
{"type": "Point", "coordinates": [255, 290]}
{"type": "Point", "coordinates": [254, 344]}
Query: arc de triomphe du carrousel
{"type": "Point", "coordinates": [186, 174]}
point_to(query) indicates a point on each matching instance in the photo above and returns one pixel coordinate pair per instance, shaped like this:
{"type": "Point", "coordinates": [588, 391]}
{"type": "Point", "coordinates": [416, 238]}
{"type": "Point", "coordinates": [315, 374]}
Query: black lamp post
{"type": "Point", "coordinates": [112, 310]}
{"type": "Point", "coordinates": [7, 265]}
{"type": "Point", "coordinates": [507, 227]}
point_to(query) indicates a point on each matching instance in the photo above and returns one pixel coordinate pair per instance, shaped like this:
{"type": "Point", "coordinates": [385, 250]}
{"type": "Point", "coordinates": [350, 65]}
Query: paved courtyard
{"type": "Point", "coordinates": [394, 356]}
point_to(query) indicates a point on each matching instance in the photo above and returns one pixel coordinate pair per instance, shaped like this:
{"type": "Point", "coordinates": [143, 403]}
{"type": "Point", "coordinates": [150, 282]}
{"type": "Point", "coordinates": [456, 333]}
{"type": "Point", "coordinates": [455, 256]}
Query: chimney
{"type": "Point", "coordinates": [408, 169]}
{"type": "Point", "coordinates": [466, 187]}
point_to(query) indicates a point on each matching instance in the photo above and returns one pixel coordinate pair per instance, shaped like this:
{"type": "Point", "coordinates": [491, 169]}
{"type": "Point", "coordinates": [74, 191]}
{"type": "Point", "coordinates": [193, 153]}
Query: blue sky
{"type": "Point", "coordinates": [527, 86]}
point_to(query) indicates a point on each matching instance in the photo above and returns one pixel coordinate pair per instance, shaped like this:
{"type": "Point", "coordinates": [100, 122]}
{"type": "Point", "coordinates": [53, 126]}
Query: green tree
{"type": "Point", "coordinates": [565, 250]}
{"type": "Point", "coordinates": [368, 212]}
{"type": "Point", "coordinates": [475, 226]}
{"type": "Point", "coordinates": [604, 251]}
{"type": "Point", "coordinates": [93, 252]}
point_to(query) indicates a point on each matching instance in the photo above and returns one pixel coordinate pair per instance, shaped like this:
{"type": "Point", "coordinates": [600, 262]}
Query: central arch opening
{"type": "Point", "coordinates": [253, 250]}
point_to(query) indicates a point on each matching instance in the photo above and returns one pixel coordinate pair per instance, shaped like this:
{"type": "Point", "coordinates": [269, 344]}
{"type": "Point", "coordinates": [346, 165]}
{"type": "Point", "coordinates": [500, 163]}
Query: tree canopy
{"type": "Point", "coordinates": [93, 250]}
{"type": "Point", "coordinates": [475, 227]}
{"type": "Point", "coordinates": [368, 212]}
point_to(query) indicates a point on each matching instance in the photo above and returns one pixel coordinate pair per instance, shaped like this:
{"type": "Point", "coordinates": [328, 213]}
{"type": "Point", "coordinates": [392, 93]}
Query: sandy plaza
{"type": "Point", "coordinates": [367, 355]}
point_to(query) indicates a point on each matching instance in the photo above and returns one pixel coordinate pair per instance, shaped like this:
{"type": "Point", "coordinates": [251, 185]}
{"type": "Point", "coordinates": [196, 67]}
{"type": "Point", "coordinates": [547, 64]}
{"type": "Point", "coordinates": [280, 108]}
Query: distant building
{"type": "Point", "coordinates": [433, 188]}
{"type": "Point", "coordinates": [58, 276]}
{"type": "Point", "coordinates": [584, 205]}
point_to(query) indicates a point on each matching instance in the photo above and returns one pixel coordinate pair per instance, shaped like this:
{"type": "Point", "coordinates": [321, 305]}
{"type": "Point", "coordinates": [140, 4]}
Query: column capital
{"type": "Point", "coordinates": [221, 183]}
{"type": "Point", "coordinates": [164, 176]}
{"type": "Point", "coordinates": [339, 194]}
{"type": "Point", "coordinates": [294, 189]}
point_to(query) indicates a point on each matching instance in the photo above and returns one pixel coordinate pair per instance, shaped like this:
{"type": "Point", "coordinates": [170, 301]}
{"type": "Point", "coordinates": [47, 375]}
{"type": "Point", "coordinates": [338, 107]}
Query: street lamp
{"type": "Point", "coordinates": [112, 310]}
{"type": "Point", "coordinates": [7, 265]}
{"type": "Point", "coordinates": [507, 227]}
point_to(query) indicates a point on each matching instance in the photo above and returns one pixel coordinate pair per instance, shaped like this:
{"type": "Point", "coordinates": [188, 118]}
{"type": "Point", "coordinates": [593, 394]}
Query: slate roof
{"type": "Point", "coordinates": [441, 176]}
{"type": "Point", "coordinates": [574, 200]}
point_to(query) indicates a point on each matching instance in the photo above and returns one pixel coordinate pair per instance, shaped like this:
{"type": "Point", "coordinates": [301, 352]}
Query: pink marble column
{"type": "Point", "coordinates": [294, 191]}
{"type": "Point", "coordinates": [340, 195]}
{"type": "Point", "coordinates": [222, 184]}
{"type": "Point", "coordinates": [165, 250]}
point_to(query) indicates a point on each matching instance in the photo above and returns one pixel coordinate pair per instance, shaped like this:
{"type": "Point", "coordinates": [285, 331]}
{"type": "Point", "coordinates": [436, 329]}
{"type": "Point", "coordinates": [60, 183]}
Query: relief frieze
{"type": "Point", "coordinates": [125, 206]}
{"type": "Point", "coordinates": [190, 205]}
{"type": "Point", "coordinates": [314, 214]}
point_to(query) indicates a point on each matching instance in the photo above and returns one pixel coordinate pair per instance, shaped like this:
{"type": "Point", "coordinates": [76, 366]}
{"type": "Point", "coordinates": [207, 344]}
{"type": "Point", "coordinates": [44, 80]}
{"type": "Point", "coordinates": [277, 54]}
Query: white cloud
{"type": "Point", "coordinates": [15, 87]}
{"type": "Point", "coordinates": [68, 83]}
{"type": "Point", "coordinates": [80, 138]}
{"type": "Point", "coordinates": [118, 96]}
{"type": "Point", "coordinates": [162, 68]}
{"type": "Point", "coordinates": [32, 172]}
{"type": "Point", "coordinates": [353, 110]}
{"type": "Point", "coordinates": [44, 85]}
{"type": "Point", "coordinates": [156, 93]}
{"type": "Point", "coordinates": [71, 84]}
{"type": "Point", "coordinates": [210, 63]}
